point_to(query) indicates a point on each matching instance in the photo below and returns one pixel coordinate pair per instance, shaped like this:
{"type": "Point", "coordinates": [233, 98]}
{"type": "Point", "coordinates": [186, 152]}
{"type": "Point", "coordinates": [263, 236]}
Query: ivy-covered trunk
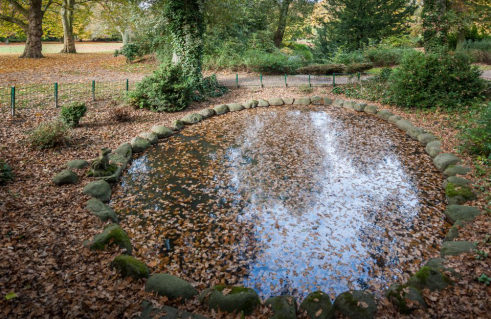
{"type": "Point", "coordinates": [280, 30]}
{"type": "Point", "coordinates": [34, 31]}
{"type": "Point", "coordinates": [66, 13]}
{"type": "Point", "coordinates": [186, 26]}
{"type": "Point", "coordinates": [435, 24]}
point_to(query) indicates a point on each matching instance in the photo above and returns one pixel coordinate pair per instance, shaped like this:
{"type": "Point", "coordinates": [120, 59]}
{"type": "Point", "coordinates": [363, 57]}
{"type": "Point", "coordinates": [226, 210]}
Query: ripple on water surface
{"type": "Point", "coordinates": [286, 200]}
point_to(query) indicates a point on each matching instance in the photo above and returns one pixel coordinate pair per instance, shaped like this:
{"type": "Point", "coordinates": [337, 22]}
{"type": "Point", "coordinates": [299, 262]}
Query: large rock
{"type": "Point", "coordinates": [101, 210]}
{"type": "Point", "coordinates": [276, 102]}
{"type": "Point", "coordinates": [288, 100]}
{"type": "Point", "coordinates": [429, 278]}
{"type": "Point", "coordinates": [250, 104]}
{"type": "Point", "coordinates": [316, 100]}
{"type": "Point", "coordinates": [404, 125]}
{"type": "Point", "coordinates": [100, 190]}
{"type": "Point", "coordinates": [235, 107]}
{"type": "Point", "coordinates": [112, 235]}
{"type": "Point", "coordinates": [371, 109]}
{"type": "Point", "coordinates": [453, 232]}
{"type": "Point", "coordinates": [162, 131]}
{"type": "Point", "coordinates": [414, 132]}
{"type": "Point", "coordinates": [65, 177]}
{"type": "Point", "coordinates": [359, 107]}
{"type": "Point", "coordinates": [318, 306]}
{"type": "Point", "coordinates": [263, 103]}
{"type": "Point", "coordinates": [425, 138]}
{"type": "Point", "coordinates": [326, 100]}
{"type": "Point", "coordinates": [433, 144]}
{"type": "Point", "coordinates": [122, 155]}
{"type": "Point", "coordinates": [77, 164]}
{"type": "Point", "coordinates": [399, 295]}
{"type": "Point", "coordinates": [302, 101]}
{"type": "Point", "coordinates": [221, 109]}
{"type": "Point", "coordinates": [459, 212]}
{"type": "Point", "coordinates": [139, 144]}
{"type": "Point", "coordinates": [458, 191]}
{"type": "Point", "coordinates": [284, 307]}
{"type": "Point", "coordinates": [454, 170]}
{"type": "Point", "coordinates": [338, 103]}
{"type": "Point", "coordinates": [349, 105]}
{"type": "Point", "coordinates": [230, 299]}
{"type": "Point", "coordinates": [165, 312]}
{"type": "Point", "coordinates": [177, 125]}
{"type": "Point", "coordinates": [455, 248]}
{"type": "Point", "coordinates": [393, 119]}
{"type": "Point", "coordinates": [444, 160]}
{"type": "Point", "coordinates": [191, 119]}
{"type": "Point", "coordinates": [170, 286]}
{"type": "Point", "coordinates": [439, 263]}
{"type": "Point", "coordinates": [356, 304]}
{"type": "Point", "coordinates": [207, 113]}
{"type": "Point", "coordinates": [384, 114]}
{"type": "Point", "coordinates": [129, 266]}
{"type": "Point", "coordinates": [149, 136]}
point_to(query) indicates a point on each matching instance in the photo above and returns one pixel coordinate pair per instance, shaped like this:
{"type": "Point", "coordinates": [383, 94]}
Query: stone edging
{"type": "Point", "coordinates": [351, 304]}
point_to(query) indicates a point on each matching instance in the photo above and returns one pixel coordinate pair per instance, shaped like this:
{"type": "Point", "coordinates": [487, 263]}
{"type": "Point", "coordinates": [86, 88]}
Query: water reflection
{"type": "Point", "coordinates": [285, 200]}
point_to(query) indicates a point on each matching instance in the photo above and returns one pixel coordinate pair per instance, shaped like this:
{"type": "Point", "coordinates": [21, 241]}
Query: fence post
{"type": "Point", "coordinates": [237, 80]}
{"type": "Point", "coordinates": [127, 85]}
{"type": "Point", "coordinates": [334, 79]}
{"type": "Point", "coordinates": [359, 76]}
{"type": "Point", "coordinates": [262, 81]}
{"type": "Point", "coordinates": [12, 100]}
{"type": "Point", "coordinates": [56, 94]}
{"type": "Point", "coordinates": [286, 80]}
{"type": "Point", "coordinates": [93, 90]}
{"type": "Point", "coordinates": [310, 85]}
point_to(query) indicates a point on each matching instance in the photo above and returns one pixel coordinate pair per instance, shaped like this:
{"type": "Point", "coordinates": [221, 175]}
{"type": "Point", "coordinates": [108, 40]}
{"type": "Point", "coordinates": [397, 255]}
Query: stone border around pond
{"type": "Point", "coordinates": [352, 304]}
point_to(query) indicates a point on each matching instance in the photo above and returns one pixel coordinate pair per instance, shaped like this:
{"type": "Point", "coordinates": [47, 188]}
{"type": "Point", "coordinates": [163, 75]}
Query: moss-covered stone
{"type": "Point", "coordinates": [371, 109]}
{"type": "Point", "coordinates": [459, 194]}
{"type": "Point", "coordinates": [429, 278]}
{"type": "Point", "coordinates": [263, 103]}
{"type": "Point", "coordinates": [191, 119]}
{"type": "Point", "coordinates": [284, 307]}
{"type": "Point", "coordinates": [444, 160]}
{"type": "Point", "coordinates": [455, 248]}
{"type": "Point", "coordinates": [170, 286]}
{"type": "Point", "coordinates": [112, 235]}
{"type": "Point", "coordinates": [110, 170]}
{"type": "Point", "coordinates": [235, 107]}
{"type": "Point", "coordinates": [65, 177]}
{"type": "Point", "coordinates": [129, 266]}
{"type": "Point", "coordinates": [359, 107]}
{"type": "Point", "coordinates": [302, 101]}
{"type": "Point", "coordinates": [326, 101]}
{"type": "Point", "coordinates": [384, 114]}
{"type": "Point", "coordinates": [349, 105]}
{"type": "Point", "coordinates": [356, 304]}
{"type": "Point", "coordinates": [98, 189]}
{"type": "Point", "coordinates": [207, 113]}
{"type": "Point", "coordinates": [459, 212]}
{"type": "Point", "coordinates": [162, 131]}
{"type": "Point", "coordinates": [338, 103]}
{"type": "Point", "coordinates": [454, 170]}
{"type": "Point", "coordinates": [316, 100]}
{"type": "Point", "coordinates": [101, 210]}
{"type": "Point", "coordinates": [231, 299]}
{"type": "Point", "coordinates": [221, 109]}
{"type": "Point", "coordinates": [399, 295]}
{"type": "Point", "coordinates": [404, 125]}
{"type": "Point", "coordinates": [178, 125]}
{"type": "Point", "coordinates": [276, 102]}
{"type": "Point", "coordinates": [439, 263]}
{"type": "Point", "coordinates": [139, 144]}
{"type": "Point", "coordinates": [425, 138]}
{"type": "Point", "coordinates": [414, 132]}
{"type": "Point", "coordinates": [250, 104]}
{"type": "Point", "coordinates": [122, 155]}
{"type": "Point", "coordinates": [393, 119]}
{"type": "Point", "coordinates": [318, 306]}
{"type": "Point", "coordinates": [149, 136]}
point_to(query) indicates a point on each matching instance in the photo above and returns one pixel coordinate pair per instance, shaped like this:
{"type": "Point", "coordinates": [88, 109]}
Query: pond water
{"type": "Point", "coordinates": [286, 200]}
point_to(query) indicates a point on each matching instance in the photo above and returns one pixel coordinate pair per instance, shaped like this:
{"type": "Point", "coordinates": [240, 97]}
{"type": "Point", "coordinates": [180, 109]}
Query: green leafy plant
{"type": "Point", "coordinates": [322, 69]}
{"type": "Point", "coordinates": [306, 89]}
{"type": "Point", "coordinates": [131, 51]}
{"type": "Point", "coordinates": [358, 67]}
{"type": "Point", "coordinates": [477, 135]}
{"type": "Point", "coordinates": [480, 254]}
{"type": "Point", "coordinates": [49, 134]}
{"type": "Point", "coordinates": [5, 172]}
{"type": "Point", "coordinates": [484, 279]}
{"type": "Point", "coordinates": [435, 79]}
{"type": "Point", "coordinates": [72, 113]}
{"type": "Point", "coordinates": [166, 90]}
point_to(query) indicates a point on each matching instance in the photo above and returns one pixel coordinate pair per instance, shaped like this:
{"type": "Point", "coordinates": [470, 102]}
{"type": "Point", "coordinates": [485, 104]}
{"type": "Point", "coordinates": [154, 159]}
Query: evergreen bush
{"type": "Point", "coordinates": [72, 113]}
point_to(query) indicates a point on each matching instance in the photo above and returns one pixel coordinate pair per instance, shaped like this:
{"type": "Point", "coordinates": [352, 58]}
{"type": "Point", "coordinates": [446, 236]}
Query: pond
{"type": "Point", "coordinates": [286, 200]}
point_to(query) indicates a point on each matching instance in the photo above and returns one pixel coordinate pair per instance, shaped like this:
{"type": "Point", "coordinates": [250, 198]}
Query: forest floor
{"type": "Point", "coordinates": [42, 227]}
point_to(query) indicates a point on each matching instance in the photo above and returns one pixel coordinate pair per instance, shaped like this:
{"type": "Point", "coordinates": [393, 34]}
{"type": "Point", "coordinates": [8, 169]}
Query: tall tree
{"type": "Point", "coordinates": [28, 15]}
{"type": "Point", "coordinates": [353, 23]}
{"type": "Point", "coordinates": [67, 19]}
{"type": "Point", "coordinates": [283, 6]}
{"type": "Point", "coordinates": [117, 15]}
{"type": "Point", "coordinates": [435, 24]}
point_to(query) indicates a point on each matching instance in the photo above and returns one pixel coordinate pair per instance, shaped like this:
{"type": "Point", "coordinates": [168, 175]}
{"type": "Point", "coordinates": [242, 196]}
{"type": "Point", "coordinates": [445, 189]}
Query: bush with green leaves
{"type": "Point", "coordinates": [5, 172]}
{"type": "Point", "coordinates": [383, 56]}
{"type": "Point", "coordinates": [166, 90]}
{"type": "Point", "coordinates": [436, 79]}
{"type": "Point", "coordinates": [358, 67]}
{"type": "Point", "coordinates": [480, 51]}
{"type": "Point", "coordinates": [322, 69]}
{"type": "Point", "coordinates": [72, 113]}
{"type": "Point", "coordinates": [477, 135]}
{"type": "Point", "coordinates": [271, 63]}
{"type": "Point", "coordinates": [49, 135]}
{"type": "Point", "coordinates": [131, 51]}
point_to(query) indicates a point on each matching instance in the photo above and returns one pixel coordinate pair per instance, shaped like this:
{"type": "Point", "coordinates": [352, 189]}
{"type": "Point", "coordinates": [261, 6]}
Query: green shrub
{"type": "Point", "coordinates": [271, 63]}
{"type": "Point", "coordinates": [131, 51]}
{"type": "Point", "coordinates": [343, 57]}
{"type": "Point", "coordinates": [436, 79]}
{"type": "Point", "coordinates": [477, 137]}
{"type": "Point", "coordinates": [358, 67]}
{"type": "Point", "coordinates": [306, 89]}
{"type": "Point", "coordinates": [322, 69]}
{"type": "Point", "coordinates": [5, 172]}
{"type": "Point", "coordinates": [49, 134]}
{"type": "Point", "coordinates": [385, 56]}
{"type": "Point", "coordinates": [166, 90]}
{"type": "Point", "coordinates": [72, 113]}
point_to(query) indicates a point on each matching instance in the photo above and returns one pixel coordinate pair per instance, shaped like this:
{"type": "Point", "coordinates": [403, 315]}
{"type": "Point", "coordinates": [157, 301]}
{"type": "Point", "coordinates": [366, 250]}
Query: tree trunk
{"type": "Point", "coordinates": [280, 30]}
{"type": "Point", "coordinates": [34, 32]}
{"type": "Point", "coordinates": [125, 35]}
{"type": "Point", "coordinates": [66, 13]}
